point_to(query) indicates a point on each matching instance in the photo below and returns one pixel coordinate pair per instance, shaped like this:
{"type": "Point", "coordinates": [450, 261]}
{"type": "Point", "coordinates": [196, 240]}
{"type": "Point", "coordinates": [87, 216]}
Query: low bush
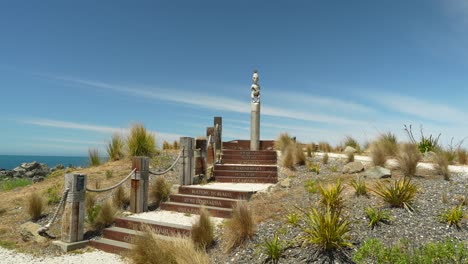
{"type": "Point", "coordinates": [105, 216]}
{"type": "Point", "coordinates": [327, 229]}
{"type": "Point", "coordinates": [140, 142]}
{"type": "Point", "coordinates": [274, 248]}
{"type": "Point", "coordinates": [408, 159]}
{"type": "Point", "coordinates": [161, 190]}
{"type": "Point", "coordinates": [53, 195]}
{"type": "Point", "coordinates": [441, 165]}
{"type": "Point", "coordinates": [310, 186]}
{"type": "Point", "coordinates": [292, 218]}
{"type": "Point", "coordinates": [239, 228]}
{"type": "Point", "coordinates": [203, 230]}
{"type": "Point", "coordinates": [120, 198]}
{"type": "Point", "coordinates": [313, 167]}
{"type": "Point", "coordinates": [35, 206]}
{"type": "Point", "coordinates": [109, 174]}
{"type": "Point", "coordinates": [93, 158]}
{"type": "Point", "coordinates": [452, 216]}
{"type": "Point", "coordinates": [325, 158]}
{"type": "Point", "coordinates": [324, 146]}
{"type": "Point", "coordinates": [115, 148]}
{"type": "Point", "coordinates": [376, 216]}
{"type": "Point", "coordinates": [331, 195]}
{"type": "Point", "coordinates": [425, 144]}
{"type": "Point", "coordinates": [400, 193]}
{"type": "Point", "coordinates": [359, 186]}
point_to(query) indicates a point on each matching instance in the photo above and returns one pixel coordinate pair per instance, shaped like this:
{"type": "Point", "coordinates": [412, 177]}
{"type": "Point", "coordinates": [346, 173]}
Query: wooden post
{"type": "Point", "coordinates": [210, 155]}
{"type": "Point", "coordinates": [74, 211]}
{"type": "Point", "coordinates": [139, 185]}
{"type": "Point", "coordinates": [218, 132]}
{"type": "Point", "coordinates": [200, 167]}
{"type": "Point", "coordinates": [188, 162]}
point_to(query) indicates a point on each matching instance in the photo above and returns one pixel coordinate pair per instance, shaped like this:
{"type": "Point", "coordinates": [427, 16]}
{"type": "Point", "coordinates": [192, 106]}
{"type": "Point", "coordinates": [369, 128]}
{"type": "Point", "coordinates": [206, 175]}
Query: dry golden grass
{"type": "Point", "coordinates": [105, 216]}
{"type": "Point", "coordinates": [120, 198]}
{"type": "Point", "coordinates": [35, 206]}
{"type": "Point", "coordinates": [288, 158]}
{"type": "Point", "coordinates": [441, 165]}
{"type": "Point", "coordinates": [408, 159]}
{"type": "Point", "coordinates": [283, 141]}
{"type": "Point", "coordinates": [203, 230]}
{"type": "Point", "coordinates": [149, 249]}
{"type": "Point", "coordinates": [161, 190]}
{"type": "Point", "coordinates": [378, 155]}
{"type": "Point", "coordinates": [462, 156]}
{"type": "Point", "coordinates": [324, 146]}
{"type": "Point", "coordinates": [239, 228]}
{"type": "Point", "coordinates": [299, 157]}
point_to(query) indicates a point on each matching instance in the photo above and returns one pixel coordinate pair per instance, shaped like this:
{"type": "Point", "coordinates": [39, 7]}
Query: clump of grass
{"type": "Point", "coordinates": [389, 143]}
{"type": "Point", "coordinates": [313, 167]}
{"type": "Point", "coordinates": [105, 216]}
{"type": "Point", "coordinates": [239, 228]}
{"type": "Point", "coordinates": [149, 249]}
{"type": "Point", "coordinates": [120, 198]}
{"type": "Point", "coordinates": [288, 158]}
{"type": "Point", "coordinates": [92, 208]}
{"type": "Point", "coordinates": [274, 248]}
{"type": "Point", "coordinates": [93, 158]}
{"type": "Point", "coordinates": [327, 229]}
{"type": "Point", "coordinates": [140, 142]}
{"type": "Point", "coordinates": [324, 146]}
{"type": "Point", "coordinates": [378, 154]}
{"type": "Point", "coordinates": [462, 156]}
{"type": "Point", "coordinates": [203, 231]}
{"type": "Point", "coordinates": [175, 145]}
{"type": "Point", "coordinates": [283, 142]}
{"type": "Point", "coordinates": [7, 244]}
{"type": "Point", "coordinates": [325, 158]}
{"type": "Point", "coordinates": [292, 218]}
{"type": "Point", "coordinates": [161, 190]}
{"type": "Point", "coordinates": [310, 186]}
{"type": "Point", "coordinates": [310, 149]}
{"type": "Point", "coordinates": [441, 165]}
{"type": "Point", "coordinates": [376, 216]}
{"type": "Point", "coordinates": [350, 157]}
{"type": "Point", "coordinates": [400, 193]}
{"type": "Point", "coordinates": [53, 195]}
{"type": "Point", "coordinates": [359, 186]}
{"type": "Point", "coordinates": [166, 145]}
{"type": "Point", "coordinates": [425, 144]}
{"type": "Point", "coordinates": [11, 184]}
{"type": "Point", "coordinates": [331, 195]}
{"type": "Point", "coordinates": [115, 148]}
{"type": "Point", "coordinates": [352, 142]}
{"type": "Point", "coordinates": [109, 174]}
{"type": "Point", "coordinates": [408, 159]}
{"type": "Point", "coordinates": [299, 157]}
{"type": "Point", "coordinates": [452, 216]}
{"type": "Point", "coordinates": [35, 206]}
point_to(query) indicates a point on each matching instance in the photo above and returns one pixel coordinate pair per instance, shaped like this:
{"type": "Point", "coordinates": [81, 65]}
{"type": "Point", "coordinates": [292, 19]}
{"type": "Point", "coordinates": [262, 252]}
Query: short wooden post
{"type": "Point", "coordinates": [188, 162]}
{"type": "Point", "coordinates": [74, 211]}
{"type": "Point", "coordinates": [139, 185]}
{"type": "Point", "coordinates": [200, 160]}
{"type": "Point", "coordinates": [210, 155]}
{"type": "Point", "coordinates": [218, 132]}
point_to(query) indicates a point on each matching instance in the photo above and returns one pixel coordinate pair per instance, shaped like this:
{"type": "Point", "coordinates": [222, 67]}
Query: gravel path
{"type": "Point", "coordinates": [94, 257]}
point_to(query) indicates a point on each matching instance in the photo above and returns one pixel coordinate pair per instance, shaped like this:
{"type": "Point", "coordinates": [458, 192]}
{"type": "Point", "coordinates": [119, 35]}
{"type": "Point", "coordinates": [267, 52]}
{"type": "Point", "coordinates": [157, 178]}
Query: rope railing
{"type": "Point", "coordinates": [171, 167]}
{"type": "Point", "coordinates": [115, 186]}
{"type": "Point", "coordinates": [42, 230]}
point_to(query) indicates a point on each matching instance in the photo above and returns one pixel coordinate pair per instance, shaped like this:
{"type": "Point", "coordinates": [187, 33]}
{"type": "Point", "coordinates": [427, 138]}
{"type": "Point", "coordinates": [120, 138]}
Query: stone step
{"type": "Point", "coordinates": [254, 162]}
{"type": "Point", "coordinates": [246, 179]}
{"type": "Point", "coordinates": [111, 246]}
{"type": "Point", "coordinates": [240, 144]}
{"type": "Point", "coordinates": [203, 200]}
{"type": "Point", "coordinates": [126, 235]}
{"type": "Point", "coordinates": [166, 229]}
{"type": "Point", "coordinates": [195, 209]}
{"type": "Point", "coordinates": [260, 174]}
{"type": "Point", "coordinates": [250, 152]}
{"type": "Point", "coordinates": [200, 191]}
{"type": "Point", "coordinates": [248, 157]}
{"type": "Point", "coordinates": [223, 167]}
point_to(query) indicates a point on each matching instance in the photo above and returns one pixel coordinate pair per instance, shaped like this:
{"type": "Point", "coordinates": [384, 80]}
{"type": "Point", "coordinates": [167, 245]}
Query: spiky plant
{"type": "Point", "coordinates": [452, 216]}
{"type": "Point", "coordinates": [399, 193]}
{"type": "Point", "coordinates": [331, 195]}
{"type": "Point", "coordinates": [359, 186]}
{"type": "Point", "coordinates": [274, 248]}
{"type": "Point", "coordinates": [376, 216]}
{"type": "Point", "coordinates": [93, 157]}
{"type": "Point", "coordinates": [115, 148]}
{"type": "Point", "coordinates": [140, 142]}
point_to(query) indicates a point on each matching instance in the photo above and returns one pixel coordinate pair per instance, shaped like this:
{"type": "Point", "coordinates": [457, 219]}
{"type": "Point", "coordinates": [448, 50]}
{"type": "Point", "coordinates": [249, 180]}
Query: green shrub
{"type": "Point", "coordinates": [273, 248]}
{"type": "Point", "coordinates": [452, 216]}
{"type": "Point", "coordinates": [313, 167]}
{"type": "Point", "coordinates": [93, 157]}
{"type": "Point", "coordinates": [239, 228]}
{"type": "Point", "coordinates": [325, 158]}
{"type": "Point", "coordinates": [359, 186]}
{"type": "Point", "coordinates": [283, 142]}
{"type": "Point", "coordinates": [326, 229]}
{"type": "Point", "coordinates": [376, 216]}
{"type": "Point", "coordinates": [310, 186]}
{"type": "Point", "coordinates": [408, 159]}
{"type": "Point", "coordinates": [109, 174]}
{"type": "Point", "coordinates": [140, 142]}
{"type": "Point", "coordinates": [331, 195]}
{"type": "Point", "coordinates": [35, 206]}
{"type": "Point", "coordinates": [400, 193]}
{"type": "Point", "coordinates": [11, 184]}
{"type": "Point", "coordinates": [53, 195]}
{"type": "Point", "coordinates": [425, 144]}
{"type": "Point", "coordinates": [105, 216]}
{"type": "Point", "coordinates": [161, 190]}
{"type": "Point", "coordinates": [203, 230]}
{"type": "Point", "coordinates": [441, 165]}
{"type": "Point", "coordinates": [115, 148]}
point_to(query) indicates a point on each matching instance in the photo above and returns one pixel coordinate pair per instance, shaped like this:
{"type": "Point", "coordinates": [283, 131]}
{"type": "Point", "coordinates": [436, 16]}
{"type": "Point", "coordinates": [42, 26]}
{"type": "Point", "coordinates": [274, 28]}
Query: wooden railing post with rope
{"type": "Point", "coordinates": [139, 185]}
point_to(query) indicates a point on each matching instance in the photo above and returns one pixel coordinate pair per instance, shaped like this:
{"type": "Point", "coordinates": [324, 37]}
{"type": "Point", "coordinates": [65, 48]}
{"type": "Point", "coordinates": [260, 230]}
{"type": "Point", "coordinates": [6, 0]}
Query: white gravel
{"type": "Point", "coordinates": [248, 187]}
{"type": "Point", "coordinates": [172, 217]}
{"type": "Point", "coordinates": [93, 257]}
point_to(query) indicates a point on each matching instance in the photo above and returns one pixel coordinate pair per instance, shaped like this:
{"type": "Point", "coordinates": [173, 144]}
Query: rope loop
{"type": "Point", "coordinates": [115, 186]}
{"type": "Point", "coordinates": [170, 167]}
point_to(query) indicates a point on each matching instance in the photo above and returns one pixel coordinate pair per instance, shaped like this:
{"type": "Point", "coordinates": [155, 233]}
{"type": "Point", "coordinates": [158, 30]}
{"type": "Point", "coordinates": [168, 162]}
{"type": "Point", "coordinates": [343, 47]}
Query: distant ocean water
{"type": "Point", "coordinates": [10, 162]}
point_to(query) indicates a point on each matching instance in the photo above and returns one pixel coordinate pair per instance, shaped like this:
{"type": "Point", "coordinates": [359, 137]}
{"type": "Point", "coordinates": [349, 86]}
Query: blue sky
{"type": "Point", "coordinates": [74, 72]}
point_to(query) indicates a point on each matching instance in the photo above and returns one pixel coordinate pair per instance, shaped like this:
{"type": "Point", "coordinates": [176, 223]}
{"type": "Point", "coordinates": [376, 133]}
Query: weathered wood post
{"type": "Point", "coordinates": [139, 185]}
{"type": "Point", "coordinates": [210, 157]}
{"type": "Point", "coordinates": [74, 212]}
{"type": "Point", "coordinates": [218, 121]}
{"type": "Point", "coordinates": [188, 162]}
{"type": "Point", "coordinates": [200, 159]}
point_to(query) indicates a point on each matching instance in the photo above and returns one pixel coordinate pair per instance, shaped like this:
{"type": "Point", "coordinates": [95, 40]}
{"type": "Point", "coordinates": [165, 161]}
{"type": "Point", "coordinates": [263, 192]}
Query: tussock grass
{"type": "Point", "coordinates": [376, 216]}
{"type": "Point", "coordinates": [408, 159]}
{"type": "Point", "coordinates": [452, 216]}
{"type": "Point", "coordinates": [299, 157]}
{"type": "Point", "coordinates": [462, 156]}
{"type": "Point", "coordinates": [120, 198]}
{"type": "Point", "coordinates": [149, 249]}
{"type": "Point", "coordinates": [384, 147]}
{"type": "Point", "coordinates": [441, 165]}
{"type": "Point", "coordinates": [288, 158]}
{"type": "Point", "coordinates": [203, 230]}
{"type": "Point", "coordinates": [35, 206]}
{"type": "Point", "coordinates": [93, 158]}
{"type": "Point", "coordinates": [350, 157]}
{"type": "Point", "coordinates": [283, 142]}
{"type": "Point", "coordinates": [140, 142]}
{"type": "Point", "coordinates": [310, 149]}
{"type": "Point", "coordinates": [378, 154]}
{"type": "Point", "coordinates": [292, 218]}
{"type": "Point", "coordinates": [327, 229]}
{"type": "Point", "coordinates": [166, 145]}
{"type": "Point", "coordinates": [105, 217]}
{"type": "Point", "coordinates": [331, 195]}
{"type": "Point", "coordinates": [325, 158]}
{"type": "Point", "coordinates": [175, 145]}
{"type": "Point", "coordinates": [359, 186]}
{"type": "Point", "coordinates": [115, 148]}
{"type": "Point", "coordinates": [352, 142]}
{"type": "Point", "coordinates": [239, 228]}
{"type": "Point", "coordinates": [161, 190]}
{"type": "Point", "coordinates": [400, 193]}
{"type": "Point", "coordinates": [324, 146]}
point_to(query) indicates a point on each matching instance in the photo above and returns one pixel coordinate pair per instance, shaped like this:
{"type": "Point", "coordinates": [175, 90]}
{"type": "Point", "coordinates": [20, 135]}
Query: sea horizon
{"type": "Point", "coordinates": [9, 162]}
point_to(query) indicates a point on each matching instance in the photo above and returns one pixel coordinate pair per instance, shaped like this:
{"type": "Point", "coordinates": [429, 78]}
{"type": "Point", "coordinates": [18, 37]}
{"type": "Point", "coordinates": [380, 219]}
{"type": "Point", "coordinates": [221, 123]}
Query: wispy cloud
{"type": "Point", "coordinates": [70, 141]}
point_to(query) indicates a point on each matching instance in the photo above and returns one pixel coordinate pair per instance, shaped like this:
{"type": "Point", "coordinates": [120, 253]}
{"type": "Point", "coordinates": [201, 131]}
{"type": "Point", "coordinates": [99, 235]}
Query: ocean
{"type": "Point", "coordinates": [10, 162]}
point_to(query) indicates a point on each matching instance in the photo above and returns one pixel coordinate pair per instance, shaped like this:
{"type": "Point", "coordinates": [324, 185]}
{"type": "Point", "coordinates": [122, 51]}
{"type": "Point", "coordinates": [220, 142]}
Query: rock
{"type": "Point", "coordinates": [349, 150]}
{"type": "Point", "coordinates": [28, 232]}
{"type": "Point", "coordinates": [378, 172]}
{"type": "Point", "coordinates": [353, 167]}
{"type": "Point", "coordinates": [37, 179]}
{"type": "Point", "coordinates": [29, 170]}
{"type": "Point", "coordinates": [31, 166]}
{"type": "Point", "coordinates": [286, 183]}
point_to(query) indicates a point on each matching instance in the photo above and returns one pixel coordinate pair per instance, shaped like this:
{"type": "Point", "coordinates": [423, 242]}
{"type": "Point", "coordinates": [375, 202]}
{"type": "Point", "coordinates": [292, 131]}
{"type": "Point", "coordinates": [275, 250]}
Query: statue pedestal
{"type": "Point", "coordinates": [255, 126]}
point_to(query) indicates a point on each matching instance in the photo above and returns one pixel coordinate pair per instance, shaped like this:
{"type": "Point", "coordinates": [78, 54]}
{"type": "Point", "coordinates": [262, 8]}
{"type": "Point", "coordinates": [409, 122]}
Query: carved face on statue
{"type": "Point", "coordinates": [255, 77]}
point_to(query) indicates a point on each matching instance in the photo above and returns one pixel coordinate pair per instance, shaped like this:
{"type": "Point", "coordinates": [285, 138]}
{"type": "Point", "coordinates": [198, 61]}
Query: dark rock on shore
{"type": "Point", "coordinates": [32, 170]}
